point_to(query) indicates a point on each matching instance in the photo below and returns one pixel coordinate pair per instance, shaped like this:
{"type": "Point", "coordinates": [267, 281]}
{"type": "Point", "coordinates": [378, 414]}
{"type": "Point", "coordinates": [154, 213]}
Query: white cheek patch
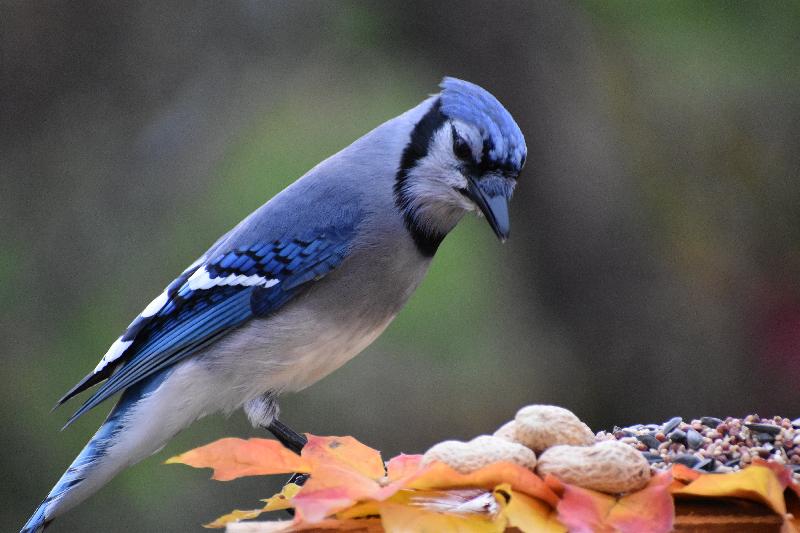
{"type": "Point", "coordinates": [155, 306]}
{"type": "Point", "coordinates": [201, 280]}
{"type": "Point", "coordinates": [113, 353]}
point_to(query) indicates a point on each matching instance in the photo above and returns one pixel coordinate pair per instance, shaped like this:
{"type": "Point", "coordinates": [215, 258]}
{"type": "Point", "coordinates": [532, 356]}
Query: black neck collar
{"type": "Point", "coordinates": [426, 239]}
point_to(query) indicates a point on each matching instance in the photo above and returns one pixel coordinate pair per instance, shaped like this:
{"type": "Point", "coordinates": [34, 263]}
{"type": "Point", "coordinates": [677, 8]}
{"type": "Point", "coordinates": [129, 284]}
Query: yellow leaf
{"type": "Point", "coordinates": [234, 516]}
{"type": "Point", "coordinates": [398, 518]}
{"type": "Point", "coordinates": [360, 510]}
{"type": "Point", "coordinates": [756, 483]}
{"type": "Point", "coordinates": [527, 514]}
{"type": "Point", "coordinates": [282, 500]}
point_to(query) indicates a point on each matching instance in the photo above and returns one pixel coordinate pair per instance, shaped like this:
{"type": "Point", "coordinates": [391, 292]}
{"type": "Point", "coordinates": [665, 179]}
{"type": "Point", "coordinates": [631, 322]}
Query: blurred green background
{"type": "Point", "coordinates": [652, 271]}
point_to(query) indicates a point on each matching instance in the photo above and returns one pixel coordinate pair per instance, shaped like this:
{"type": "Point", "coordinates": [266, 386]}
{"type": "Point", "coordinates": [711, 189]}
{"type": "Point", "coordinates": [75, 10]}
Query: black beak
{"type": "Point", "coordinates": [492, 203]}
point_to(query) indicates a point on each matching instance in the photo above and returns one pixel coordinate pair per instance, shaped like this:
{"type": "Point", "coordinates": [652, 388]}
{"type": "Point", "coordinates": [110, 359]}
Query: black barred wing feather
{"type": "Point", "coordinates": [210, 299]}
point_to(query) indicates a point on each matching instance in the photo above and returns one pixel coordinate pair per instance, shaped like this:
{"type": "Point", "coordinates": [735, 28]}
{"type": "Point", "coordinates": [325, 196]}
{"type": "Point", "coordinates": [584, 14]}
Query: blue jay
{"type": "Point", "coordinates": [300, 286]}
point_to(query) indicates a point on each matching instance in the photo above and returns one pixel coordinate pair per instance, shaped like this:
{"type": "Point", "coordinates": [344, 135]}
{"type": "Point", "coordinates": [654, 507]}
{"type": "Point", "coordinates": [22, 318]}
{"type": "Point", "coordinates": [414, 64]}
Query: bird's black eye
{"type": "Point", "coordinates": [461, 148]}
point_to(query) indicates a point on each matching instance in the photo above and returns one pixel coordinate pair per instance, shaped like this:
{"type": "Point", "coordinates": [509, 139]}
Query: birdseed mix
{"type": "Point", "coordinates": [714, 444]}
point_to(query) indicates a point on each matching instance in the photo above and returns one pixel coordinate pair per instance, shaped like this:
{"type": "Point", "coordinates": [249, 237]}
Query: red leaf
{"type": "Point", "coordinates": [402, 466]}
{"type": "Point", "coordinates": [650, 509]}
{"type": "Point", "coordinates": [332, 488]}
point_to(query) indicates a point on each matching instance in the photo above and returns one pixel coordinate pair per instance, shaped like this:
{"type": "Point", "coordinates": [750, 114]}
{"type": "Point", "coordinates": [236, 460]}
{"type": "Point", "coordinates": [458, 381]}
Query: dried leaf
{"type": "Point", "coordinates": [360, 510]}
{"type": "Point", "coordinates": [440, 476]}
{"type": "Point", "coordinates": [402, 466]}
{"type": "Point", "coordinates": [650, 509]}
{"type": "Point", "coordinates": [282, 500]}
{"type": "Point", "coordinates": [758, 483]}
{"type": "Point", "coordinates": [361, 525]}
{"type": "Point", "coordinates": [398, 518]}
{"type": "Point", "coordinates": [234, 458]}
{"type": "Point", "coordinates": [331, 489]}
{"type": "Point", "coordinates": [527, 514]}
{"type": "Point", "coordinates": [461, 502]}
{"type": "Point", "coordinates": [683, 475]}
{"type": "Point", "coordinates": [345, 452]}
{"type": "Point", "coordinates": [233, 516]}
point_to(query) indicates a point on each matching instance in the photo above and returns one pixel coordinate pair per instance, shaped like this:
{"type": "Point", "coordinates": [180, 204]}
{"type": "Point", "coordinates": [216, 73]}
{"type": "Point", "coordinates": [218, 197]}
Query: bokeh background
{"type": "Point", "coordinates": [653, 267]}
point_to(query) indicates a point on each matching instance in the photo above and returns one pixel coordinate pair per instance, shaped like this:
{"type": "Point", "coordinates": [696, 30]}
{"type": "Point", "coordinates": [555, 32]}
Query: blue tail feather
{"type": "Point", "coordinates": [91, 456]}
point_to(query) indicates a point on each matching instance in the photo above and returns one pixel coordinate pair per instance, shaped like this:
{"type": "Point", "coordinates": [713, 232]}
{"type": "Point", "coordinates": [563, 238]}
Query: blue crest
{"type": "Point", "coordinates": [504, 144]}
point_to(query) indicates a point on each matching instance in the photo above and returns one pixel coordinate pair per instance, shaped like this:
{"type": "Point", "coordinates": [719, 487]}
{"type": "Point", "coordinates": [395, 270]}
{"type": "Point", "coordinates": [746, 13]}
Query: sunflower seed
{"type": "Point", "coordinates": [671, 424]}
{"type": "Point", "coordinates": [711, 421]}
{"type": "Point", "coordinates": [694, 439]}
{"type": "Point", "coordinates": [678, 436]}
{"type": "Point", "coordinates": [764, 428]}
{"type": "Point", "coordinates": [686, 459]}
{"type": "Point", "coordinates": [649, 440]}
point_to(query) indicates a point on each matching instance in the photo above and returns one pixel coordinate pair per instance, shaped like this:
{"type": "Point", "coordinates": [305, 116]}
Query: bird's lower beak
{"type": "Point", "coordinates": [492, 203]}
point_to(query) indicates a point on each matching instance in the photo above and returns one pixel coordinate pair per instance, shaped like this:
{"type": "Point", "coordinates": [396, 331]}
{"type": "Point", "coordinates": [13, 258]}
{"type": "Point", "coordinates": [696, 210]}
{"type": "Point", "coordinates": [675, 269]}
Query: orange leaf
{"type": "Point", "coordinates": [440, 476]}
{"type": "Point", "coordinates": [757, 483]}
{"type": "Point", "coordinates": [650, 509]}
{"type": "Point", "coordinates": [398, 518]}
{"type": "Point", "coordinates": [234, 458]}
{"type": "Point", "coordinates": [526, 513]}
{"type": "Point", "coordinates": [684, 474]}
{"type": "Point", "coordinates": [345, 452]}
{"type": "Point", "coordinates": [403, 465]}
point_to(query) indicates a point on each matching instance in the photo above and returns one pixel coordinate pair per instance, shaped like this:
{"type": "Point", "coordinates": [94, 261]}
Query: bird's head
{"type": "Point", "coordinates": [464, 154]}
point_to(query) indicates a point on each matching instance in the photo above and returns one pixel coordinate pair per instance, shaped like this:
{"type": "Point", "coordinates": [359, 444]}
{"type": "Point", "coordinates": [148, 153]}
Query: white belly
{"type": "Point", "coordinates": [280, 354]}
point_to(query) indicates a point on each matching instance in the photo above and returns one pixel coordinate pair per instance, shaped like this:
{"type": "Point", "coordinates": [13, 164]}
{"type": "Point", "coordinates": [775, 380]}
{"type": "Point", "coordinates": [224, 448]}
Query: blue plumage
{"type": "Point", "coordinates": [195, 314]}
{"type": "Point", "coordinates": [503, 140]}
{"type": "Point", "coordinates": [300, 286]}
{"type": "Point", "coordinates": [93, 452]}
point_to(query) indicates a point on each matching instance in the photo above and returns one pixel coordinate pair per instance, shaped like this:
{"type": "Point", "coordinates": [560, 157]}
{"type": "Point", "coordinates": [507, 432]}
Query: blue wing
{"type": "Point", "coordinates": [207, 301]}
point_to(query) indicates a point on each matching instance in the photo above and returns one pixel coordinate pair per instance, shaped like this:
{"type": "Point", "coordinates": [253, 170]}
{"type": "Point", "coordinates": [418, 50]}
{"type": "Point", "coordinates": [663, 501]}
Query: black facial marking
{"type": "Point", "coordinates": [427, 242]}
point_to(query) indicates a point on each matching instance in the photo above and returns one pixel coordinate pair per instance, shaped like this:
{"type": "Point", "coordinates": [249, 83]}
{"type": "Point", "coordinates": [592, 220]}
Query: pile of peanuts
{"type": "Point", "coordinates": [551, 440]}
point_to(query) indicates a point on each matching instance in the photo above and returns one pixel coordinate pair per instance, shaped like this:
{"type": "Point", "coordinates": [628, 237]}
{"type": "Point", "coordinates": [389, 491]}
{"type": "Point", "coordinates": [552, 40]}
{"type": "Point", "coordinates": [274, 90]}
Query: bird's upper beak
{"type": "Point", "coordinates": [493, 203]}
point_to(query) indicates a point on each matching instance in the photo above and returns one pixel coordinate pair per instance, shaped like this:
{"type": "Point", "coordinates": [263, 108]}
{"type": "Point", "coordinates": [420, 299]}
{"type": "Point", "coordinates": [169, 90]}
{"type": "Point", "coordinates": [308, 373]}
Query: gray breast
{"type": "Point", "coordinates": [322, 328]}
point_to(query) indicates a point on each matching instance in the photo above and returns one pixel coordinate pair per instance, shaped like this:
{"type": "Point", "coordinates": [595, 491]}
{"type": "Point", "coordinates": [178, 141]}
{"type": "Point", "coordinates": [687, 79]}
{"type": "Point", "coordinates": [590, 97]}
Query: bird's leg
{"type": "Point", "coordinates": [292, 440]}
{"type": "Point", "coordinates": [286, 435]}
{"type": "Point", "coordinates": [263, 412]}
